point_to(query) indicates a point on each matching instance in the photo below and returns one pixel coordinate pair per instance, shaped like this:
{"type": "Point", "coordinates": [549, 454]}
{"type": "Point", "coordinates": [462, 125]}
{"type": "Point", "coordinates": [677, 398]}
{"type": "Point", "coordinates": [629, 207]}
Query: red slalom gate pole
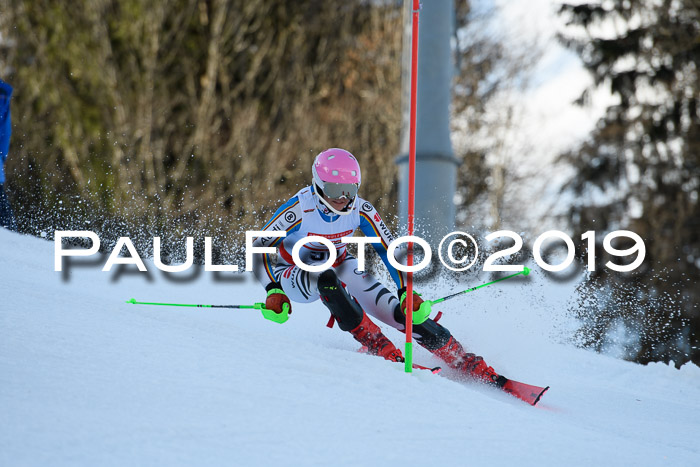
{"type": "Point", "coordinates": [411, 186]}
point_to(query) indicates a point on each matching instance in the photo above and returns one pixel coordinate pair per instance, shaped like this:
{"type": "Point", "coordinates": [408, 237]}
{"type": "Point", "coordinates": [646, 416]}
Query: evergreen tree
{"type": "Point", "coordinates": [640, 169]}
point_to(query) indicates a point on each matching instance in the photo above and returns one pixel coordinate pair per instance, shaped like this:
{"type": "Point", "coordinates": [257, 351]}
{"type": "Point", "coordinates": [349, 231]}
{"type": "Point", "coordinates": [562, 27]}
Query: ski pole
{"type": "Point", "coordinates": [524, 272]}
{"type": "Point", "coordinates": [267, 313]}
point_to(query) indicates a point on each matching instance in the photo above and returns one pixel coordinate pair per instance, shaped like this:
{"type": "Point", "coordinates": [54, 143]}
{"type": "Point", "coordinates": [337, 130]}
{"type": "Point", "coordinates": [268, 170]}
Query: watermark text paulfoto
{"type": "Point", "coordinates": [457, 242]}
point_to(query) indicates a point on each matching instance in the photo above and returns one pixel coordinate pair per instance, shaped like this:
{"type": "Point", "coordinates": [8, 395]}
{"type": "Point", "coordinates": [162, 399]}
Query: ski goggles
{"type": "Point", "coordinates": [340, 190]}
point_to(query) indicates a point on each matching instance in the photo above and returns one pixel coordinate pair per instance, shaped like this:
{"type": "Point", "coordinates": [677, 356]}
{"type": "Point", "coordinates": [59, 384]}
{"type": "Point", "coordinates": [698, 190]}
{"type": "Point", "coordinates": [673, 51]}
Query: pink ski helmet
{"type": "Point", "coordinates": [336, 174]}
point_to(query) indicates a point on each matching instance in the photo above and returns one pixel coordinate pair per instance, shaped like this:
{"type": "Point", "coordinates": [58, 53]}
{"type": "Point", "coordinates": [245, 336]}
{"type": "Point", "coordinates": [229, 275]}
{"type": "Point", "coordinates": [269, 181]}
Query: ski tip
{"type": "Point", "coordinates": [133, 300]}
{"type": "Point", "coordinates": [436, 370]}
{"type": "Point", "coordinates": [540, 396]}
{"type": "Point", "coordinates": [525, 392]}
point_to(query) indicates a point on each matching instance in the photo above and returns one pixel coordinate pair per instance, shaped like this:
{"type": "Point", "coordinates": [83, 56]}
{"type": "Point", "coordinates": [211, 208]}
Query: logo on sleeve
{"type": "Point", "coordinates": [367, 207]}
{"type": "Point", "coordinates": [290, 216]}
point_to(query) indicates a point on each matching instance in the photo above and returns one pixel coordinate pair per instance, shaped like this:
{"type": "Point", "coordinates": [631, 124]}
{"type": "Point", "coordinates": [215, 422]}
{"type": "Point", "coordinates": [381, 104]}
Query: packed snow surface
{"type": "Point", "coordinates": [87, 379]}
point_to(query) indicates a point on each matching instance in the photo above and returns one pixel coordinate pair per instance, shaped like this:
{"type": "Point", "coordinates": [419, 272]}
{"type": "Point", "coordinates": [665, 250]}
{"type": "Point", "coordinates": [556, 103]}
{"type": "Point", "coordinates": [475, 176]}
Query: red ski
{"type": "Point", "coordinates": [434, 370]}
{"type": "Point", "coordinates": [524, 392]}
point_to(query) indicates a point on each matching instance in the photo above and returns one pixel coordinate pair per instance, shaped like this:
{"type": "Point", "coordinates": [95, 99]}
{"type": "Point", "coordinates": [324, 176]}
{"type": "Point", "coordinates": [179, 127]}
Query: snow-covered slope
{"type": "Point", "coordinates": [86, 379]}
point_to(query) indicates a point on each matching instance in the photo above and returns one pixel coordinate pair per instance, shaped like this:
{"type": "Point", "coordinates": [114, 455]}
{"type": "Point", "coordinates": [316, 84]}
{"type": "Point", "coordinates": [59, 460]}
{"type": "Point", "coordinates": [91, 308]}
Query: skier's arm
{"type": "Point", "coordinates": [287, 218]}
{"type": "Point", "coordinates": [372, 225]}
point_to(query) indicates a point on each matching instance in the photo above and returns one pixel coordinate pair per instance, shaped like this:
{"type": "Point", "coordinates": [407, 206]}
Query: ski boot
{"type": "Point", "coordinates": [439, 341]}
{"type": "Point", "coordinates": [369, 335]}
{"type": "Point", "coordinates": [468, 364]}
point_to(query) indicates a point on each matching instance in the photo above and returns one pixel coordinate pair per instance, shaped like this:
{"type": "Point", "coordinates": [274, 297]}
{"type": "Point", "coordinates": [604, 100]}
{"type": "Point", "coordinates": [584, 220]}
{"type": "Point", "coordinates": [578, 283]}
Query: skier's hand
{"type": "Point", "coordinates": [417, 300]}
{"type": "Point", "coordinates": [277, 300]}
{"type": "Point", "coordinates": [421, 308]}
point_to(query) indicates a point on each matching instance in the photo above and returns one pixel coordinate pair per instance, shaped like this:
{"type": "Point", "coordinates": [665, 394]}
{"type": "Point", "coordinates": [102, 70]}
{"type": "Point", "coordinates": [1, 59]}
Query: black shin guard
{"type": "Point", "coordinates": [432, 335]}
{"type": "Point", "coordinates": [347, 312]}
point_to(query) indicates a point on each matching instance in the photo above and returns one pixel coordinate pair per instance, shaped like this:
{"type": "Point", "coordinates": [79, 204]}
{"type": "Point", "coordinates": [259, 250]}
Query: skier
{"type": "Point", "coordinates": [331, 208]}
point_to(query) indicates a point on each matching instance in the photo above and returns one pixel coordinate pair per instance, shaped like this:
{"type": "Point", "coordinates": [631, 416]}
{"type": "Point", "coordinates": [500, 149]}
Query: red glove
{"type": "Point", "coordinates": [276, 299]}
{"type": "Point", "coordinates": [417, 300]}
{"type": "Point", "coordinates": [421, 308]}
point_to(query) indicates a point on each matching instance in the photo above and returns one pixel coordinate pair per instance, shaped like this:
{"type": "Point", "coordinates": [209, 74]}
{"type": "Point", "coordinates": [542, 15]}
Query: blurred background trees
{"type": "Point", "coordinates": [640, 170]}
{"type": "Point", "coordinates": [146, 118]}
{"type": "Point", "coordinates": [193, 115]}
